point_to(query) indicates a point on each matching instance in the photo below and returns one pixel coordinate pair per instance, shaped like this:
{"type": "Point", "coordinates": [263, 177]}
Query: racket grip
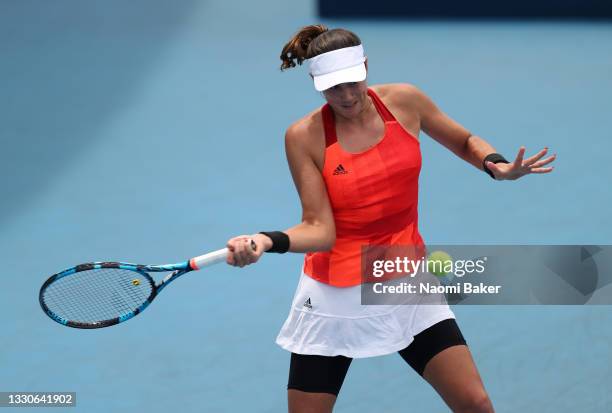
{"type": "Point", "coordinates": [212, 258]}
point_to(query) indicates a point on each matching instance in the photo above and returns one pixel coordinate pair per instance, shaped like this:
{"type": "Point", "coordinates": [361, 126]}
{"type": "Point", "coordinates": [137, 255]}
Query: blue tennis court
{"type": "Point", "coordinates": [152, 132]}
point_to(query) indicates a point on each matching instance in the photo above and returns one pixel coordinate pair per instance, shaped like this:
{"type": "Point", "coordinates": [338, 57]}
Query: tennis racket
{"type": "Point", "coordinates": [102, 294]}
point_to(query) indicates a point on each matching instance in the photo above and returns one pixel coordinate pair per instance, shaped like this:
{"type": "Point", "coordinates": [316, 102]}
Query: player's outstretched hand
{"type": "Point", "coordinates": [521, 167]}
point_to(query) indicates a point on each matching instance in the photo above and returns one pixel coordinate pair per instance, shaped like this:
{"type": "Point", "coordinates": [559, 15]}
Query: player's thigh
{"type": "Point", "coordinates": [440, 355]}
{"type": "Point", "coordinates": [453, 374]}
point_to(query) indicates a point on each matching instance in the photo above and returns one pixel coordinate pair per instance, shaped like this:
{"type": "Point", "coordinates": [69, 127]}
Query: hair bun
{"type": "Point", "coordinates": [296, 49]}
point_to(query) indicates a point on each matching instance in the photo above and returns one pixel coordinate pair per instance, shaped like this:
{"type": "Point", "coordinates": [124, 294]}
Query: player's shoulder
{"type": "Point", "coordinates": [400, 93]}
{"type": "Point", "coordinates": [305, 130]}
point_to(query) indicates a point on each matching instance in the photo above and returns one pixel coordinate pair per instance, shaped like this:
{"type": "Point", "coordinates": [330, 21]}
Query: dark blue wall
{"type": "Point", "coordinates": [566, 9]}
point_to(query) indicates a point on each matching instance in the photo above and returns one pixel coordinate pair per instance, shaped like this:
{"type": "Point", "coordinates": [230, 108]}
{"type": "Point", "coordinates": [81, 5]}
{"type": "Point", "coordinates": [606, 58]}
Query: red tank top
{"type": "Point", "coordinates": [373, 195]}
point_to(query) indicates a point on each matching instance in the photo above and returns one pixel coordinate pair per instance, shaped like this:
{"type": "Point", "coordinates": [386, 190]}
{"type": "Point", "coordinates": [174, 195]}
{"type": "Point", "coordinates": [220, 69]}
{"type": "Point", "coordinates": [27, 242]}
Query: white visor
{"type": "Point", "coordinates": [338, 66]}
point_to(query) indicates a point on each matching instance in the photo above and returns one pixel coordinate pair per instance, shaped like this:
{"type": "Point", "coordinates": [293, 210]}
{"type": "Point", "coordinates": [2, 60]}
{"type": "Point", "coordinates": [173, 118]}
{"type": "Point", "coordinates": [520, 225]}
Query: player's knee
{"type": "Point", "coordinates": [305, 402]}
{"type": "Point", "coordinates": [476, 402]}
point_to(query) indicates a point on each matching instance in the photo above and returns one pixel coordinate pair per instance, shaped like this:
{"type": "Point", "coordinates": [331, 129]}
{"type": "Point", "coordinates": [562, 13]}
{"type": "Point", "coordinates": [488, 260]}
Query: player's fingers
{"type": "Point", "coordinates": [234, 247]}
{"type": "Point", "coordinates": [542, 170]}
{"type": "Point", "coordinates": [230, 252]}
{"type": "Point", "coordinates": [244, 253]}
{"type": "Point", "coordinates": [233, 242]}
{"type": "Point", "coordinates": [254, 251]}
{"type": "Point", "coordinates": [543, 162]}
{"type": "Point", "coordinates": [532, 159]}
{"type": "Point", "coordinates": [249, 253]}
{"type": "Point", "coordinates": [239, 254]}
{"type": "Point", "coordinates": [518, 162]}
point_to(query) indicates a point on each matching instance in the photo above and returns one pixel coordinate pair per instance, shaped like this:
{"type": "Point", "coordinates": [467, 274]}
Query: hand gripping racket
{"type": "Point", "coordinates": [102, 294]}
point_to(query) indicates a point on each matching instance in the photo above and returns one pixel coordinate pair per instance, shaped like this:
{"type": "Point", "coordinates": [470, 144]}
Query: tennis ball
{"type": "Point", "coordinates": [439, 263]}
{"type": "Point", "coordinates": [136, 282]}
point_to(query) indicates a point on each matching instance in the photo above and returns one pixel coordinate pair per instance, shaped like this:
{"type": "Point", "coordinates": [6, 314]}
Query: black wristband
{"type": "Point", "coordinates": [280, 241]}
{"type": "Point", "coordinates": [495, 158]}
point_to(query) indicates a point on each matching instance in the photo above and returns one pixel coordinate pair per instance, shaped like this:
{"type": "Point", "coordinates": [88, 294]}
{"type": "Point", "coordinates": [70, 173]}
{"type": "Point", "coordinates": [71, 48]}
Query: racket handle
{"type": "Point", "coordinates": [211, 258]}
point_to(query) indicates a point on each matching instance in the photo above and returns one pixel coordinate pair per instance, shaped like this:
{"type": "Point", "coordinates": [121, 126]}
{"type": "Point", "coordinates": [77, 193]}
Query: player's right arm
{"type": "Point", "coordinates": [304, 148]}
{"type": "Point", "coordinates": [317, 231]}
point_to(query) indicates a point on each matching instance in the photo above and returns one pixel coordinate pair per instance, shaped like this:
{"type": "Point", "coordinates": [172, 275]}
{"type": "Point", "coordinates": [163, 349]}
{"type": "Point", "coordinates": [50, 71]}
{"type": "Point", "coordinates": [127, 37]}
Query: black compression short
{"type": "Point", "coordinates": [324, 374]}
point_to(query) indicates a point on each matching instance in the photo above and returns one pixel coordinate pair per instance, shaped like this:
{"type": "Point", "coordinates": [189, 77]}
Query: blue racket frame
{"type": "Point", "coordinates": [176, 271]}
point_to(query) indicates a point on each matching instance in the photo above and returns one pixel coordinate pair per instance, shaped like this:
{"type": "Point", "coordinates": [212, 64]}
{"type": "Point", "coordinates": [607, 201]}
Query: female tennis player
{"type": "Point", "coordinates": [355, 163]}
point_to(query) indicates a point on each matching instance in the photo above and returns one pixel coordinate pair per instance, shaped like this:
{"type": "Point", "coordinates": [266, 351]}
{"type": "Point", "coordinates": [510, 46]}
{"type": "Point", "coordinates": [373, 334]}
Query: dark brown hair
{"type": "Point", "coordinates": [314, 40]}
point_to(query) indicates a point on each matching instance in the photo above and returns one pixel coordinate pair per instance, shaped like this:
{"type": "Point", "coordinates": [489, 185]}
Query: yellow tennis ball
{"type": "Point", "coordinates": [135, 282]}
{"type": "Point", "coordinates": [439, 263]}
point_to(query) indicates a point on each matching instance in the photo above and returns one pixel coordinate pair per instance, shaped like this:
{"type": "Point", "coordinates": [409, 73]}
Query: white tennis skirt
{"type": "Point", "coordinates": [331, 321]}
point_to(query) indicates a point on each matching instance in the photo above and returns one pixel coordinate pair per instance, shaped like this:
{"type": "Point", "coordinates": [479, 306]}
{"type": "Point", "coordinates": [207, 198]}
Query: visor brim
{"type": "Point", "coordinates": [350, 74]}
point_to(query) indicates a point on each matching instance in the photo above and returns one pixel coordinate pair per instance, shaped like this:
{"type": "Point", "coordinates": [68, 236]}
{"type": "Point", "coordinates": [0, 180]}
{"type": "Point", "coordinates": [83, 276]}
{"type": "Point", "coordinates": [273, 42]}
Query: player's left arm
{"type": "Point", "coordinates": [471, 148]}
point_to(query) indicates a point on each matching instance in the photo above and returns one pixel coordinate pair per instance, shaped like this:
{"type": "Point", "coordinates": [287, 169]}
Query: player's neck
{"type": "Point", "coordinates": [362, 119]}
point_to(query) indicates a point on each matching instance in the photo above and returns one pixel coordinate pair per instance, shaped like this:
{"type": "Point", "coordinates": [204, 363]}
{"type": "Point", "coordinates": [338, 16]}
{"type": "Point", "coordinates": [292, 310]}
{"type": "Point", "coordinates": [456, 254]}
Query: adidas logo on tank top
{"type": "Point", "coordinates": [308, 304]}
{"type": "Point", "coordinates": [340, 170]}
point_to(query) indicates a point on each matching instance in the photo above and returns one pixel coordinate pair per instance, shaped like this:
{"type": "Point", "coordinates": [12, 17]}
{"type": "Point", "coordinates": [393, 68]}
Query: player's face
{"type": "Point", "coordinates": [347, 99]}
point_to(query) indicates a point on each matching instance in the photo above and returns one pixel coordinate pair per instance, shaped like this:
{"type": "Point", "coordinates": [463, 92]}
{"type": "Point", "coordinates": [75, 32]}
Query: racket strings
{"type": "Point", "coordinates": [96, 295]}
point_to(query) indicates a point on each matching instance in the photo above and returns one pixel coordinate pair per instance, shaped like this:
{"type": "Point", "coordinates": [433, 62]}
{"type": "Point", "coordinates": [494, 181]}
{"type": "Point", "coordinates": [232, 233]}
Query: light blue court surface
{"type": "Point", "coordinates": [152, 131]}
